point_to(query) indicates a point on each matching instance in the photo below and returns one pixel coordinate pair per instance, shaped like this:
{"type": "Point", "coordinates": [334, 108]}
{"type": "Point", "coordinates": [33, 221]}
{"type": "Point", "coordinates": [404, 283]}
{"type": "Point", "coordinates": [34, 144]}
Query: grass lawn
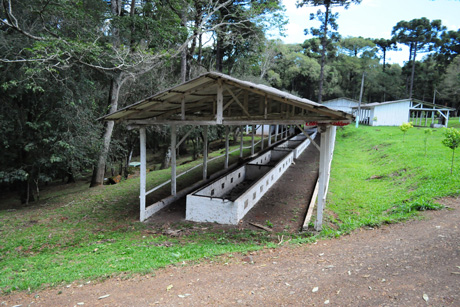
{"type": "Point", "coordinates": [81, 234]}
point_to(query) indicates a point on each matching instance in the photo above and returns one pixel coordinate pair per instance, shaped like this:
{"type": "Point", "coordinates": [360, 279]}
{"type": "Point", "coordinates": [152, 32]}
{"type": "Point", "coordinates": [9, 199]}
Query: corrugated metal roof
{"type": "Point", "coordinates": [374, 104]}
{"type": "Point", "coordinates": [199, 96]}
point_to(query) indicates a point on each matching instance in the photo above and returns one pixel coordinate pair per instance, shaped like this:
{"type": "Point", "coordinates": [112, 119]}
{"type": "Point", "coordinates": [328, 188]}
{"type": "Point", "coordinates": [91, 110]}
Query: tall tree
{"type": "Point", "coordinates": [328, 21]}
{"type": "Point", "coordinates": [385, 45]}
{"type": "Point", "coordinates": [420, 35]}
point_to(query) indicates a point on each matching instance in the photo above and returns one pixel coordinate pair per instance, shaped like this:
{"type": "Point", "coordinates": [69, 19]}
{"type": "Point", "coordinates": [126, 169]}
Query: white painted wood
{"type": "Point", "coordinates": [173, 159]}
{"type": "Point", "coordinates": [241, 141]}
{"type": "Point", "coordinates": [342, 104]}
{"type": "Point", "coordinates": [263, 140]}
{"type": "Point", "coordinates": [143, 172]}
{"type": "Point", "coordinates": [269, 135]}
{"type": "Point", "coordinates": [253, 131]}
{"type": "Point", "coordinates": [205, 152]}
{"type": "Point", "coordinates": [393, 114]}
{"type": "Point", "coordinates": [276, 133]}
{"type": "Point", "coordinates": [323, 171]}
{"type": "Point", "coordinates": [311, 207]}
{"type": "Point", "coordinates": [227, 131]}
{"type": "Point", "coordinates": [220, 102]}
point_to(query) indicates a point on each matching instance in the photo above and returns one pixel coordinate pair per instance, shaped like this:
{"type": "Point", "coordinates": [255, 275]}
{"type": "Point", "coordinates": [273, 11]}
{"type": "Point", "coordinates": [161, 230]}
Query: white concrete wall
{"type": "Point", "coordinates": [392, 114]}
{"type": "Point", "coordinates": [223, 184]}
{"type": "Point", "coordinates": [207, 205]}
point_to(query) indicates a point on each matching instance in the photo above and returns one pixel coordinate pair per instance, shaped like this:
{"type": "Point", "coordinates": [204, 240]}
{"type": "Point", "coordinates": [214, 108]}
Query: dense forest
{"type": "Point", "coordinates": [65, 63]}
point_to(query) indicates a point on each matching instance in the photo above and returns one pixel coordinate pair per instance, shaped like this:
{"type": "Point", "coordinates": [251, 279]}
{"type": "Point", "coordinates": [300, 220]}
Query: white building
{"type": "Point", "coordinates": [394, 113]}
{"type": "Point", "coordinates": [342, 104]}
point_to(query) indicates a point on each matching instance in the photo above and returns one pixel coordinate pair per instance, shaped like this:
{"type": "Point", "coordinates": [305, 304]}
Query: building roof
{"type": "Point", "coordinates": [342, 98]}
{"type": "Point", "coordinates": [415, 105]}
{"type": "Point", "coordinates": [215, 98]}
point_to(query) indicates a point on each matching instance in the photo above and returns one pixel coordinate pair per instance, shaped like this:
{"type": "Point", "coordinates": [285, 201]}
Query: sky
{"type": "Point", "coordinates": [374, 19]}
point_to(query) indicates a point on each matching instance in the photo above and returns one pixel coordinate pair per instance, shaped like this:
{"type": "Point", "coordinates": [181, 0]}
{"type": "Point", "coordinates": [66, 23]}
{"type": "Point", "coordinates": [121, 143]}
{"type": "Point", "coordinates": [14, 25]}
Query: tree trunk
{"type": "Point", "coordinates": [219, 53]}
{"type": "Point", "coordinates": [384, 58]}
{"type": "Point", "coordinates": [98, 176]}
{"type": "Point", "coordinates": [323, 54]}
{"type": "Point", "coordinates": [183, 57]}
{"type": "Point", "coordinates": [413, 72]}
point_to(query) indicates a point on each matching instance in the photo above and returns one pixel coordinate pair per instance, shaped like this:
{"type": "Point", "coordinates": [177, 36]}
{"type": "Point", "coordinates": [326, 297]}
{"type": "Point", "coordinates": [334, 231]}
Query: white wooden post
{"type": "Point", "coordinates": [263, 138]}
{"type": "Point", "coordinates": [276, 133]}
{"type": "Point", "coordinates": [143, 173]}
{"type": "Point", "coordinates": [324, 163]}
{"type": "Point", "coordinates": [432, 117]}
{"type": "Point", "coordinates": [253, 127]}
{"type": "Point", "coordinates": [269, 135]}
{"type": "Point", "coordinates": [173, 159]}
{"type": "Point", "coordinates": [205, 152]}
{"type": "Point", "coordinates": [447, 120]}
{"type": "Point", "coordinates": [220, 102]}
{"type": "Point", "coordinates": [226, 146]}
{"type": "Point", "coordinates": [241, 142]}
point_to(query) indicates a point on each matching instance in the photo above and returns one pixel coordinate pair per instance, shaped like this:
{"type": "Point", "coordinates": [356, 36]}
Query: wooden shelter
{"type": "Point", "coordinates": [394, 113]}
{"type": "Point", "coordinates": [218, 99]}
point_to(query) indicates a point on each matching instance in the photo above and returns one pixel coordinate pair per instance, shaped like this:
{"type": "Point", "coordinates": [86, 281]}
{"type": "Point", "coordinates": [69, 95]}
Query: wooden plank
{"type": "Point", "coordinates": [220, 102]}
{"type": "Point", "coordinates": [311, 207]}
{"type": "Point", "coordinates": [309, 137]}
{"type": "Point", "coordinates": [260, 226]}
{"type": "Point", "coordinates": [143, 174]}
{"type": "Point", "coordinates": [241, 141]}
{"type": "Point", "coordinates": [253, 127]}
{"type": "Point", "coordinates": [226, 146]}
{"type": "Point", "coordinates": [237, 101]}
{"type": "Point", "coordinates": [323, 161]}
{"type": "Point", "coordinates": [173, 159]}
{"type": "Point", "coordinates": [205, 152]}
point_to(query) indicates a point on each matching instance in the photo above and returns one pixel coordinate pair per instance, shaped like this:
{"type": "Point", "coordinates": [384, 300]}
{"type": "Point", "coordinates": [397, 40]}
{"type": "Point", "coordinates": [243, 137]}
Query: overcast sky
{"type": "Point", "coordinates": [374, 19]}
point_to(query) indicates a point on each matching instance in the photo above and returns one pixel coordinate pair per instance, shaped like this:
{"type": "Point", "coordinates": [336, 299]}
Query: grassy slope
{"type": "Point", "coordinates": [377, 178]}
{"type": "Point", "coordinates": [83, 234]}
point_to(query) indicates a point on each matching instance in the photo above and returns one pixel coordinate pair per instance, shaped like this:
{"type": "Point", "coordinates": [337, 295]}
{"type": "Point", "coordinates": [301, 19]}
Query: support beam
{"type": "Point", "coordinates": [227, 129]}
{"type": "Point", "coordinates": [241, 142]}
{"type": "Point", "coordinates": [263, 137]}
{"type": "Point", "coordinates": [143, 173]}
{"type": "Point", "coordinates": [324, 170]}
{"type": "Point", "coordinates": [269, 135]}
{"type": "Point", "coordinates": [185, 136]}
{"type": "Point", "coordinates": [173, 159]}
{"type": "Point", "coordinates": [205, 152]}
{"type": "Point", "coordinates": [309, 137]}
{"type": "Point", "coordinates": [220, 102]}
{"type": "Point", "coordinates": [253, 127]}
{"type": "Point", "coordinates": [276, 133]}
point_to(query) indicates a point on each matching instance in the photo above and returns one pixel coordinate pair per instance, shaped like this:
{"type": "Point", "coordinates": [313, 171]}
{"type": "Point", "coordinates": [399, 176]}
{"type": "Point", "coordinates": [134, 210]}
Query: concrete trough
{"type": "Point", "coordinates": [227, 199]}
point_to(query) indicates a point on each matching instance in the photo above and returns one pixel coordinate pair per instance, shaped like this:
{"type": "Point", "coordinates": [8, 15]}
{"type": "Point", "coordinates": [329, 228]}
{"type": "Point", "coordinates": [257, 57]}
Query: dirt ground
{"type": "Point", "coordinates": [283, 207]}
{"type": "Point", "coordinates": [416, 263]}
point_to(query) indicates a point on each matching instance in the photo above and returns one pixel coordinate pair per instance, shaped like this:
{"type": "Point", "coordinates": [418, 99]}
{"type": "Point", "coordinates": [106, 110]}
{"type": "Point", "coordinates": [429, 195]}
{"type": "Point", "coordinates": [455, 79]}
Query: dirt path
{"type": "Point", "coordinates": [390, 266]}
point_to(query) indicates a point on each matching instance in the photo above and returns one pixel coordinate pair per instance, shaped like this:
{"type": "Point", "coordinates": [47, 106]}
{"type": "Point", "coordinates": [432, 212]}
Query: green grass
{"type": "Point", "coordinates": [81, 234]}
{"type": "Point", "coordinates": [377, 178]}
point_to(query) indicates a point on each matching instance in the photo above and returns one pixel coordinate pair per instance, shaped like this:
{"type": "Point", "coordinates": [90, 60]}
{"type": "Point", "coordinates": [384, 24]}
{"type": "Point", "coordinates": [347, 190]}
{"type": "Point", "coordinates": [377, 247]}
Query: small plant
{"type": "Point", "coordinates": [452, 140]}
{"type": "Point", "coordinates": [428, 132]}
{"type": "Point", "coordinates": [405, 127]}
{"type": "Point", "coordinates": [269, 224]}
{"type": "Point", "coordinates": [375, 118]}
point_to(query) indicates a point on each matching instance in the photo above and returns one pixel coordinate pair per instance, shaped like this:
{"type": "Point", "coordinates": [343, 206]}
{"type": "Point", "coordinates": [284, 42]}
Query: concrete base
{"type": "Point", "coordinates": [227, 199]}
